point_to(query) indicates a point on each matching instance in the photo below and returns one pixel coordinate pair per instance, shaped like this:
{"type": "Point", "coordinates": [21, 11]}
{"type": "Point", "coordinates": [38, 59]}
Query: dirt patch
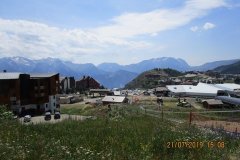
{"type": "Point", "coordinates": [225, 125]}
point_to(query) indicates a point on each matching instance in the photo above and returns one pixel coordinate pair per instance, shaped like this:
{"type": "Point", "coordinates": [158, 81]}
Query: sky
{"type": "Point", "coordinates": [120, 31]}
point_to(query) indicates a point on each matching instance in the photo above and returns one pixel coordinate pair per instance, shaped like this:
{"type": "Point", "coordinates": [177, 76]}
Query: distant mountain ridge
{"type": "Point", "coordinates": [163, 62]}
{"type": "Point", "coordinates": [229, 69]}
{"type": "Point", "coordinates": [111, 75]}
{"type": "Point", "coordinates": [66, 68]}
{"type": "Point", "coordinates": [213, 65]}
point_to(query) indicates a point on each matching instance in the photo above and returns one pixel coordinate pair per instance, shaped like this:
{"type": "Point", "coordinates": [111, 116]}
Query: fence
{"type": "Point", "coordinates": [227, 121]}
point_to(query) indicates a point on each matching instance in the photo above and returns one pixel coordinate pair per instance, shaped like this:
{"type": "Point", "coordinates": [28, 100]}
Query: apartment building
{"type": "Point", "coordinates": [87, 83]}
{"type": "Point", "coordinates": [21, 92]}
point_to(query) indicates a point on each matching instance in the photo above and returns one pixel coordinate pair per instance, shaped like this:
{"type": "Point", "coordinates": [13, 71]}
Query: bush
{"type": "Point", "coordinates": [4, 113]}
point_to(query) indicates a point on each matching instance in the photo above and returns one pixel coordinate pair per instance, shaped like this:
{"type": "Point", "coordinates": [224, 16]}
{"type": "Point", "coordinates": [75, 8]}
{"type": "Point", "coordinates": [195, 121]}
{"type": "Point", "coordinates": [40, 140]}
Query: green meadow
{"type": "Point", "coordinates": [124, 132]}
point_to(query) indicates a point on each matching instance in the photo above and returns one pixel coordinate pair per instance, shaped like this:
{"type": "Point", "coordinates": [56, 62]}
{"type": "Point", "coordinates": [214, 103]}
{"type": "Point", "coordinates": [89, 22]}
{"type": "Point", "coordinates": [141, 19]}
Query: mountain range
{"type": "Point", "coordinates": [229, 69]}
{"type": "Point", "coordinates": [110, 75]}
{"type": "Point", "coordinates": [163, 62]}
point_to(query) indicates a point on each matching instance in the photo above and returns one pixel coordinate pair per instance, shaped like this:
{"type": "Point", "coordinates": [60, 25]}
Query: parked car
{"type": "Point", "coordinates": [27, 118]}
{"type": "Point", "coordinates": [47, 116]}
{"type": "Point", "coordinates": [57, 115]}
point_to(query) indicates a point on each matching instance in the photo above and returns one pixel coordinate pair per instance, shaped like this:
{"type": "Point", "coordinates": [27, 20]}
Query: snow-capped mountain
{"type": "Point", "coordinates": [66, 68]}
{"type": "Point", "coordinates": [109, 74]}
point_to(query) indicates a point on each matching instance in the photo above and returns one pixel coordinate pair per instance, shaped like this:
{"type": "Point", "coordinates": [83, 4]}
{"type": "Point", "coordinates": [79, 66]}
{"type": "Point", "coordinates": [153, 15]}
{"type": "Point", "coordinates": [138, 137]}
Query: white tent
{"type": "Point", "coordinates": [202, 89]}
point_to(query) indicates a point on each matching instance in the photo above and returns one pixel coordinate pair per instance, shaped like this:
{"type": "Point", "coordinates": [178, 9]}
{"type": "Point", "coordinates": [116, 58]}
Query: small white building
{"type": "Point", "coordinates": [114, 99]}
{"type": "Point", "coordinates": [66, 99]}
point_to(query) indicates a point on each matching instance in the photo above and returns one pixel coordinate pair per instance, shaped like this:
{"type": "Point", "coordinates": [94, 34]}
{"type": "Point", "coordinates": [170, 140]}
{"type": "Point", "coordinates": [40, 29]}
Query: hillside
{"type": "Point", "coordinates": [149, 79]}
{"type": "Point", "coordinates": [229, 69]}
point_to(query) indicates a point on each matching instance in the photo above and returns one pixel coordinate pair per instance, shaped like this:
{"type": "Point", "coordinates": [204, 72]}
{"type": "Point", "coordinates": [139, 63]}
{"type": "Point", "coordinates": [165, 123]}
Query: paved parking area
{"type": "Point", "coordinates": [40, 119]}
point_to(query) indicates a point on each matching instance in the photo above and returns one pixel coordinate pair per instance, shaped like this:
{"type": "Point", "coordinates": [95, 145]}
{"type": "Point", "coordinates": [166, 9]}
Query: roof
{"type": "Point", "coordinates": [203, 88]}
{"type": "Point", "coordinates": [62, 78]}
{"type": "Point", "coordinates": [10, 75]}
{"type": "Point", "coordinates": [228, 86]}
{"type": "Point", "coordinates": [213, 102]}
{"type": "Point", "coordinates": [190, 75]}
{"type": "Point", "coordinates": [187, 83]}
{"type": "Point", "coordinates": [178, 88]}
{"type": "Point", "coordinates": [200, 89]}
{"type": "Point", "coordinates": [42, 75]}
{"type": "Point", "coordinates": [159, 89]}
{"type": "Point", "coordinates": [66, 97]}
{"type": "Point", "coordinates": [99, 90]}
{"type": "Point", "coordinates": [177, 80]}
{"type": "Point", "coordinates": [115, 99]}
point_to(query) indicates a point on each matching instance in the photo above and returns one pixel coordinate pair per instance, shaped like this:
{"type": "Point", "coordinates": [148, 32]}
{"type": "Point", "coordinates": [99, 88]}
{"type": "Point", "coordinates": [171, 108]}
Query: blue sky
{"type": "Point", "coordinates": [121, 31]}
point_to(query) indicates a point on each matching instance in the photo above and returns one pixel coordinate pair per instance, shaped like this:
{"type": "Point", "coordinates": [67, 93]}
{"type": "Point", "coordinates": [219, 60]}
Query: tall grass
{"type": "Point", "coordinates": [133, 136]}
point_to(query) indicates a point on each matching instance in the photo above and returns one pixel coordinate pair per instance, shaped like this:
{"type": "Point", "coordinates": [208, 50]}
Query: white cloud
{"type": "Point", "coordinates": [208, 26]}
{"type": "Point", "coordinates": [194, 28]}
{"type": "Point", "coordinates": [154, 34]}
{"type": "Point", "coordinates": [133, 24]}
{"type": "Point", "coordinates": [37, 40]}
{"type": "Point", "coordinates": [205, 27]}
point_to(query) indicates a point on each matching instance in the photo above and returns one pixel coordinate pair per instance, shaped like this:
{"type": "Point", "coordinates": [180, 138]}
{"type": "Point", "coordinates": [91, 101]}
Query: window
{"type": "Point", "coordinates": [14, 102]}
{"type": "Point", "coordinates": [54, 104]}
{"type": "Point", "coordinates": [46, 106]}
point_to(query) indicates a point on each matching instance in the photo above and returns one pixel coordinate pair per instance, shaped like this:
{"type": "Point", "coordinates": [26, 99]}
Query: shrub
{"type": "Point", "coordinates": [5, 113]}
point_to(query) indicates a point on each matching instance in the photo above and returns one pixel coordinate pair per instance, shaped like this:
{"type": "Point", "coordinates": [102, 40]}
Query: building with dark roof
{"type": "Point", "coordinates": [23, 92]}
{"type": "Point", "coordinates": [212, 103]}
{"type": "Point", "coordinates": [87, 83]}
{"type": "Point", "coordinates": [14, 89]}
{"type": "Point", "coordinates": [161, 91]}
